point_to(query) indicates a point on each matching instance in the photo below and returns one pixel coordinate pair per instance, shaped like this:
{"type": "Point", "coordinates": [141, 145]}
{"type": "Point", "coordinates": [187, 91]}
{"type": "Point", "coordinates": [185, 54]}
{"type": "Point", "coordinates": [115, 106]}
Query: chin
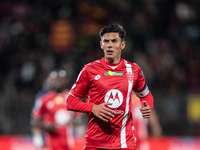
{"type": "Point", "coordinates": [109, 57]}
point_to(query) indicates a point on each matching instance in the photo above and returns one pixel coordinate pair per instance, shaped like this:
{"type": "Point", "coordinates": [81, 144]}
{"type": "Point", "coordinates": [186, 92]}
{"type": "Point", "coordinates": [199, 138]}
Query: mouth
{"type": "Point", "coordinates": [109, 52]}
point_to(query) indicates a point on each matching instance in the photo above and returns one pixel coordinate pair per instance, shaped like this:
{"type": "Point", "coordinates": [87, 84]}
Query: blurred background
{"type": "Point", "coordinates": [163, 37]}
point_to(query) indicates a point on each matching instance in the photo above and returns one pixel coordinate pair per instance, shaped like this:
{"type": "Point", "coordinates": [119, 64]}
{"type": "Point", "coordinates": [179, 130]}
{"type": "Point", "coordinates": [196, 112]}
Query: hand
{"type": "Point", "coordinates": [145, 110]}
{"type": "Point", "coordinates": [51, 128]}
{"type": "Point", "coordinates": [102, 112]}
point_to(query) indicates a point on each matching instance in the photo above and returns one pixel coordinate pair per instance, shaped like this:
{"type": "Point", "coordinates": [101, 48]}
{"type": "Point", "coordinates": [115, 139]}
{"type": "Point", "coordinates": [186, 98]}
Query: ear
{"type": "Point", "coordinates": [123, 45]}
{"type": "Point", "coordinates": [101, 44]}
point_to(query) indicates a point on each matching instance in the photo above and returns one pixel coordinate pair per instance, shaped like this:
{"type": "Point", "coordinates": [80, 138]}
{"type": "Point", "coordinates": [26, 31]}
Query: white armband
{"type": "Point", "coordinates": [143, 93]}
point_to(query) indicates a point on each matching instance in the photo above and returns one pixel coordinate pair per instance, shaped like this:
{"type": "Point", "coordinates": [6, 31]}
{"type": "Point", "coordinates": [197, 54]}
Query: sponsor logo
{"type": "Point", "coordinates": [62, 117]}
{"type": "Point", "coordinates": [115, 97]}
{"type": "Point", "coordinates": [142, 73]}
{"type": "Point", "coordinates": [97, 77]}
{"type": "Point", "coordinates": [119, 112]}
{"type": "Point", "coordinates": [59, 100]}
{"type": "Point", "coordinates": [50, 104]}
{"type": "Point", "coordinates": [113, 73]}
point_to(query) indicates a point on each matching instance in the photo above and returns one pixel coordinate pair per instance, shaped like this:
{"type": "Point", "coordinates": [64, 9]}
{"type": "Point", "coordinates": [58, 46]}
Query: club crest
{"type": "Point", "coordinates": [130, 76]}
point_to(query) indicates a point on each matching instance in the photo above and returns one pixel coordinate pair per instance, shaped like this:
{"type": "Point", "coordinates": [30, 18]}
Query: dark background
{"type": "Point", "coordinates": [163, 37]}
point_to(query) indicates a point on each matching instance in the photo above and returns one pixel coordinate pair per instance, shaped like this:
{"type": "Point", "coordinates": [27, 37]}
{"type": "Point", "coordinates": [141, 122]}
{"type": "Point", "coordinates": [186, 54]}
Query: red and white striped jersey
{"type": "Point", "coordinates": [103, 82]}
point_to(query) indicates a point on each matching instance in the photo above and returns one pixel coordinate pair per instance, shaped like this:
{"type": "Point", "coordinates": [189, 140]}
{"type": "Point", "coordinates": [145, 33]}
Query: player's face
{"type": "Point", "coordinates": [57, 81]}
{"type": "Point", "coordinates": [112, 46]}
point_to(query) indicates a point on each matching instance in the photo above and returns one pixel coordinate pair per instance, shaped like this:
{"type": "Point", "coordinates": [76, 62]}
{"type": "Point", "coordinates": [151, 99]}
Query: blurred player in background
{"type": "Point", "coordinates": [142, 125]}
{"type": "Point", "coordinates": [49, 115]}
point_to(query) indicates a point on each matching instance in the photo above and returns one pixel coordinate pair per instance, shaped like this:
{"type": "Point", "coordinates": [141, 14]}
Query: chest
{"type": "Point", "coordinates": [55, 104]}
{"type": "Point", "coordinates": [105, 79]}
{"type": "Point", "coordinates": [56, 111]}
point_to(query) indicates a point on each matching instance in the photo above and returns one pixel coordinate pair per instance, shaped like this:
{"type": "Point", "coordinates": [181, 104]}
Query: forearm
{"type": "Point", "coordinates": [149, 99]}
{"type": "Point", "coordinates": [75, 104]}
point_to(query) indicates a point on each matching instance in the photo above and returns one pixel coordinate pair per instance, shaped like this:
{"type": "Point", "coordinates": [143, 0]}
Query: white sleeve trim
{"type": "Point", "coordinates": [74, 96]}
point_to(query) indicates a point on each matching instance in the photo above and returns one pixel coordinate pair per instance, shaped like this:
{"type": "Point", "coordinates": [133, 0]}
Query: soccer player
{"type": "Point", "coordinates": [50, 115]}
{"type": "Point", "coordinates": [108, 84]}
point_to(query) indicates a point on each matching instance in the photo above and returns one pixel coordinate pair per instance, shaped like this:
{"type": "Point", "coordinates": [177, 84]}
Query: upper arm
{"type": "Point", "coordinates": [81, 86]}
{"type": "Point", "coordinates": [140, 81]}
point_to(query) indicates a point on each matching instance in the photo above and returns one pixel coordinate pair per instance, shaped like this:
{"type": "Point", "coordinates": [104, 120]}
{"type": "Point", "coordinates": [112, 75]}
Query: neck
{"type": "Point", "coordinates": [113, 61]}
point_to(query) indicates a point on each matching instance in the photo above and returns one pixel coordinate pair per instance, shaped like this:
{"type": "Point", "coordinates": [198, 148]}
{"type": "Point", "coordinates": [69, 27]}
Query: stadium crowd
{"type": "Point", "coordinates": [41, 35]}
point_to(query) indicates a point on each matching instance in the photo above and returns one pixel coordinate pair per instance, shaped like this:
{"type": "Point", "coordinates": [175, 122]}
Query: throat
{"type": "Point", "coordinates": [113, 61]}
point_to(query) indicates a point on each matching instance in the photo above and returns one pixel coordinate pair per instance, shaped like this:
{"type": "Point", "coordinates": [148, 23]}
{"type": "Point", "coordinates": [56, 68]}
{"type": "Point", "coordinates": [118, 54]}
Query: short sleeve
{"type": "Point", "coordinates": [140, 81]}
{"type": "Point", "coordinates": [81, 86]}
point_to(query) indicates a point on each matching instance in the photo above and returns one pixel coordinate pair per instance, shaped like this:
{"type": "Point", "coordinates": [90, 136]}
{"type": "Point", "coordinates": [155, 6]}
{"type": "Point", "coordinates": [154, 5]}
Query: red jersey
{"type": "Point", "coordinates": [104, 82]}
{"type": "Point", "coordinates": [52, 110]}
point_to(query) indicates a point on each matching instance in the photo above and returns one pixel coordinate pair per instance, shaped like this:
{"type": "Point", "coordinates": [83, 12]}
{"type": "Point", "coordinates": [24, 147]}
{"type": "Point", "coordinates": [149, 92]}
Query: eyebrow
{"type": "Point", "coordinates": [110, 39]}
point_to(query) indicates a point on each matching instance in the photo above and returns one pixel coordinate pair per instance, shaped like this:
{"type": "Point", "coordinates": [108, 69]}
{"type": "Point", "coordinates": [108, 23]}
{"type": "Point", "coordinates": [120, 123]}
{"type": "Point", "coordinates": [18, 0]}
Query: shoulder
{"type": "Point", "coordinates": [92, 65]}
{"type": "Point", "coordinates": [48, 96]}
{"type": "Point", "coordinates": [131, 64]}
{"type": "Point", "coordinates": [40, 101]}
{"type": "Point", "coordinates": [87, 69]}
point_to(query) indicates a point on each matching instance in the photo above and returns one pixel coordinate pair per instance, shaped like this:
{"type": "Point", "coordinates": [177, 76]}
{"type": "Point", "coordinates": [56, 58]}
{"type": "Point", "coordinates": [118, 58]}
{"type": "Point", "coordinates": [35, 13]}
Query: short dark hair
{"type": "Point", "coordinates": [113, 28]}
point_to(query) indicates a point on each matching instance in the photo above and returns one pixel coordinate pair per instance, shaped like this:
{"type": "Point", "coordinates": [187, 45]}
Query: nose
{"type": "Point", "coordinates": [110, 44]}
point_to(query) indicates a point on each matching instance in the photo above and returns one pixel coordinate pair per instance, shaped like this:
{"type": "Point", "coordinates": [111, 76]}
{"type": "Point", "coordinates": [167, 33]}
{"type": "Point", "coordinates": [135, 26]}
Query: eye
{"type": "Point", "coordinates": [106, 41]}
{"type": "Point", "coordinates": [114, 41]}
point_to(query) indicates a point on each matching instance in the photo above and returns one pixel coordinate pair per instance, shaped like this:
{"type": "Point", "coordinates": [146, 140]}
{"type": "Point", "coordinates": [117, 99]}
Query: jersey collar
{"type": "Point", "coordinates": [113, 66]}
